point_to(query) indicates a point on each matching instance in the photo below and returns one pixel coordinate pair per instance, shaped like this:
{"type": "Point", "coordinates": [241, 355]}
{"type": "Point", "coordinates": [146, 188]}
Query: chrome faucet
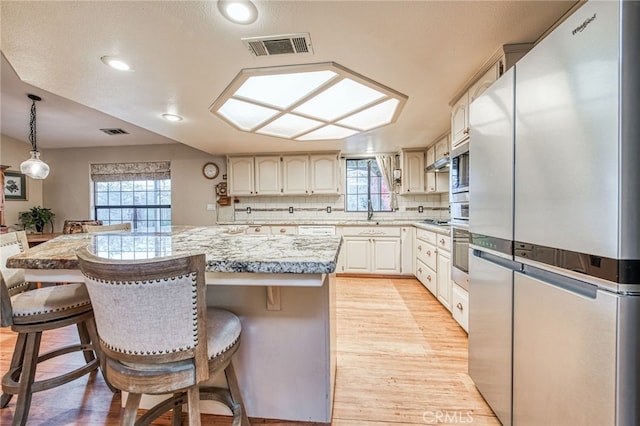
{"type": "Point", "coordinates": [369, 210]}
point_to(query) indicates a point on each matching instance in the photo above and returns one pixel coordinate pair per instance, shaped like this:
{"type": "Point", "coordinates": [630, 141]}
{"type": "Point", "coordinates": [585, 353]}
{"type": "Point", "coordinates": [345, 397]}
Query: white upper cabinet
{"type": "Point", "coordinates": [240, 170]}
{"type": "Point", "coordinates": [460, 120]}
{"type": "Point", "coordinates": [413, 172]}
{"type": "Point", "coordinates": [441, 148]}
{"type": "Point", "coordinates": [268, 175]}
{"type": "Point", "coordinates": [324, 174]}
{"type": "Point", "coordinates": [295, 174]}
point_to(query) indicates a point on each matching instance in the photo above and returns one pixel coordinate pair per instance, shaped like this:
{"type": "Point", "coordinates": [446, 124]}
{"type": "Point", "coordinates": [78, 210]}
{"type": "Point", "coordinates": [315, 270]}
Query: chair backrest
{"type": "Point", "coordinates": [106, 228]}
{"type": "Point", "coordinates": [12, 279]}
{"type": "Point", "coordinates": [149, 311]}
{"type": "Point", "coordinates": [75, 226]}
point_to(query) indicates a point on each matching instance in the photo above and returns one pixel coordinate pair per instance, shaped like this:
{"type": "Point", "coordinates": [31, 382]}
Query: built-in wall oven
{"type": "Point", "coordinates": [460, 184]}
{"type": "Point", "coordinates": [460, 255]}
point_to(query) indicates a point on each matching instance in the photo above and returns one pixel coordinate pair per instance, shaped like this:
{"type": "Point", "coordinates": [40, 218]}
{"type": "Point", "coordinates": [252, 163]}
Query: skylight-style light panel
{"type": "Point", "coordinates": [328, 132]}
{"type": "Point", "coordinates": [245, 115]}
{"type": "Point", "coordinates": [338, 100]}
{"type": "Point", "coordinates": [283, 90]}
{"type": "Point", "coordinates": [377, 115]}
{"type": "Point", "coordinates": [288, 126]}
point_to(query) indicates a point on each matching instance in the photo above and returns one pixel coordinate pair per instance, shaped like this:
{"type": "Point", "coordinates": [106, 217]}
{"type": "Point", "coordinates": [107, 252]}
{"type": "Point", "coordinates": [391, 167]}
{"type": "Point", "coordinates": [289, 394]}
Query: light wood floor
{"type": "Point", "coordinates": [402, 360]}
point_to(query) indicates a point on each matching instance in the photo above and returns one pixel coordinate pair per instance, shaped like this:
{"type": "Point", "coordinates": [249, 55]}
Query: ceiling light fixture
{"type": "Point", "coordinates": [307, 102]}
{"type": "Point", "coordinates": [238, 11]}
{"type": "Point", "coordinates": [34, 167]}
{"type": "Point", "coordinates": [116, 63]}
{"type": "Point", "coordinates": [171, 117]}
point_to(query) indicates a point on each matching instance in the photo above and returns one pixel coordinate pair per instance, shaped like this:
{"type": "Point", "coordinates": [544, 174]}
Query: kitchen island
{"type": "Point", "coordinates": [281, 286]}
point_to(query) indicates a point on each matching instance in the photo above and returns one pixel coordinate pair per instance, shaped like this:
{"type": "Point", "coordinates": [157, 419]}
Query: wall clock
{"type": "Point", "coordinates": [210, 170]}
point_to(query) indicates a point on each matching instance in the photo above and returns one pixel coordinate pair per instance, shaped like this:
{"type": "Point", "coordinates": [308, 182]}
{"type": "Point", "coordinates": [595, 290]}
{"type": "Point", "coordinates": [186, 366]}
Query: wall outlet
{"type": "Point", "coordinates": [420, 209]}
{"type": "Point", "coordinates": [290, 209]}
{"type": "Point", "coordinates": [248, 210]}
{"type": "Point", "coordinates": [328, 209]}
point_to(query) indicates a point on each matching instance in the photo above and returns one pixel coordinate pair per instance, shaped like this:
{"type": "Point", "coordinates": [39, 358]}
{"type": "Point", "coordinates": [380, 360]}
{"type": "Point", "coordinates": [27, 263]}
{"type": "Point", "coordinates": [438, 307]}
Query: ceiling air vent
{"type": "Point", "coordinates": [112, 132]}
{"type": "Point", "coordinates": [286, 44]}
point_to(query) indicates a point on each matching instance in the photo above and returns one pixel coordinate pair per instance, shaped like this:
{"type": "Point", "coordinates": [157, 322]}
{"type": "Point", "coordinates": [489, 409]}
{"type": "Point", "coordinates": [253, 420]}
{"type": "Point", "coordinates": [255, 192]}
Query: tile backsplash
{"type": "Point", "coordinates": [332, 207]}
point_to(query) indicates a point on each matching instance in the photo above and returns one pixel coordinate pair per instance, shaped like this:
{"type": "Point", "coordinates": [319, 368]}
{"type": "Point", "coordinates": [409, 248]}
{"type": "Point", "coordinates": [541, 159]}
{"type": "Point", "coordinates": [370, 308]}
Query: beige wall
{"type": "Point", "coordinates": [67, 190]}
{"type": "Point", "coordinates": [12, 153]}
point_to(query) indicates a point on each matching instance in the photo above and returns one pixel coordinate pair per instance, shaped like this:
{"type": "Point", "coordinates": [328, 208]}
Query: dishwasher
{"type": "Point", "coordinates": [316, 230]}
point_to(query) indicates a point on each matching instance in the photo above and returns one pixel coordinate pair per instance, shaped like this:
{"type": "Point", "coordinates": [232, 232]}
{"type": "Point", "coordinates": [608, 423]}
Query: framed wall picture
{"type": "Point", "coordinates": [15, 186]}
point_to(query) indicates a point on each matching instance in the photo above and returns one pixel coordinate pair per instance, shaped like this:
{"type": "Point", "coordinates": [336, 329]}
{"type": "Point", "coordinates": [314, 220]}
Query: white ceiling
{"type": "Point", "coordinates": [185, 54]}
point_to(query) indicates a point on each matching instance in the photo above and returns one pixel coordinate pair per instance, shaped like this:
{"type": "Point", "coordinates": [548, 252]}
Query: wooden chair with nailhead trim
{"type": "Point", "coordinates": [158, 335]}
{"type": "Point", "coordinates": [31, 311]}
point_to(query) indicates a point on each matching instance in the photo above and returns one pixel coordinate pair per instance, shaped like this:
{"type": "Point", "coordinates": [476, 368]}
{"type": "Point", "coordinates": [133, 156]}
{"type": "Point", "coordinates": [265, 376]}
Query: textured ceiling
{"type": "Point", "coordinates": [185, 53]}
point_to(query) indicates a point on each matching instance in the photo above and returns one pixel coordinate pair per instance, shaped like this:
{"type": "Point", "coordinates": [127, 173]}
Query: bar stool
{"type": "Point", "coordinates": [159, 337]}
{"type": "Point", "coordinates": [30, 312]}
{"type": "Point", "coordinates": [92, 229]}
{"type": "Point", "coordinates": [74, 226]}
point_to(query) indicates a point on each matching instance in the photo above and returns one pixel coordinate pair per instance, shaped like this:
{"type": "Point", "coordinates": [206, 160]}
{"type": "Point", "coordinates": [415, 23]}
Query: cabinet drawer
{"type": "Point", "coordinates": [460, 306]}
{"type": "Point", "coordinates": [428, 236]}
{"type": "Point", "coordinates": [444, 242]}
{"type": "Point", "coordinates": [371, 231]}
{"type": "Point", "coordinates": [257, 230]}
{"type": "Point", "coordinates": [426, 276]}
{"type": "Point", "coordinates": [426, 253]}
{"type": "Point", "coordinates": [282, 230]}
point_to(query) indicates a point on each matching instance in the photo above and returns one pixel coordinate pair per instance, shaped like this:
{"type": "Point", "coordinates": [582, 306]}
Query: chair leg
{"type": "Point", "coordinates": [90, 326]}
{"type": "Point", "coordinates": [177, 412]}
{"type": "Point", "coordinates": [193, 405]}
{"type": "Point", "coordinates": [32, 347]}
{"type": "Point", "coordinates": [85, 339]}
{"type": "Point", "coordinates": [16, 361]}
{"type": "Point", "coordinates": [131, 409]}
{"type": "Point", "coordinates": [234, 389]}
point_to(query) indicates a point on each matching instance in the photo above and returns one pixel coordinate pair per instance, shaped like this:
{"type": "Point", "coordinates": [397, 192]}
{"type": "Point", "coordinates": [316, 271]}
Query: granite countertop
{"type": "Point", "coordinates": [225, 252]}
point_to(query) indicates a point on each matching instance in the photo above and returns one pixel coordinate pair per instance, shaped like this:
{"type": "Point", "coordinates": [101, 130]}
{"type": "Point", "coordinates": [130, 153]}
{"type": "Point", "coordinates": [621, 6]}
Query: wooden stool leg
{"type": "Point", "coordinates": [95, 343]}
{"type": "Point", "coordinates": [85, 339]}
{"type": "Point", "coordinates": [131, 409]}
{"type": "Point", "coordinates": [177, 412]}
{"type": "Point", "coordinates": [16, 361]}
{"type": "Point", "coordinates": [234, 389]}
{"type": "Point", "coordinates": [193, 405]}
{"type": "Point", "coordinates": [26, 378]}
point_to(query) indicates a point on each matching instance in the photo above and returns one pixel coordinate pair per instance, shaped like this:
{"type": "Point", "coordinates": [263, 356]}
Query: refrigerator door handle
{"type": "Point", "coordinates": [505, 263]}
{"type": "Point", "coordinates": [568, 284]}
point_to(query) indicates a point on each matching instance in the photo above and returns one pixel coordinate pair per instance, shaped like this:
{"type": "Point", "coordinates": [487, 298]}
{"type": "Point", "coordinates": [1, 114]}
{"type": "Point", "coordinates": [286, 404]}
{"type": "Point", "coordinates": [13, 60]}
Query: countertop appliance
{"type": "Point", "coordinates": [573, 277]}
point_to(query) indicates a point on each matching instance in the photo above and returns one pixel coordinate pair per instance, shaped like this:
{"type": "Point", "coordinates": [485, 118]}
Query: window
{"type": "Point", "coordinates": [139, 193]}
{"type": "Point", "coordinates": [365, 183]}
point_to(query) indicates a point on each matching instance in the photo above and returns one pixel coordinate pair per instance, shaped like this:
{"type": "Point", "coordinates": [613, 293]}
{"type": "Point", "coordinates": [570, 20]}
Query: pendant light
{"type": "Point", "coordinates": [34, 167]}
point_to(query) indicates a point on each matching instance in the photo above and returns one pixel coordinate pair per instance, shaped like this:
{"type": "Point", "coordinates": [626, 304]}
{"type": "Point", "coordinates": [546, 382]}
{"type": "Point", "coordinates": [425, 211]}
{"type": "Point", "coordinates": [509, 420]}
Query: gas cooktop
{"type": "Point", "coordinates": [436, 221]}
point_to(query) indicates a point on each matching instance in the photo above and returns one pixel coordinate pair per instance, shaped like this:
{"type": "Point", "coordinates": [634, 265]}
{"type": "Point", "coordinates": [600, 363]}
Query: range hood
{"type": "Point", "coordinates": [440, 164]}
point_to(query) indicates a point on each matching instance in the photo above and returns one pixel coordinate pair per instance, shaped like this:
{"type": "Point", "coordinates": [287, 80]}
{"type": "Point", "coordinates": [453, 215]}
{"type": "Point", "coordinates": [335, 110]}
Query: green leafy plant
{"type": "Point", "coordinates": [36, 218]}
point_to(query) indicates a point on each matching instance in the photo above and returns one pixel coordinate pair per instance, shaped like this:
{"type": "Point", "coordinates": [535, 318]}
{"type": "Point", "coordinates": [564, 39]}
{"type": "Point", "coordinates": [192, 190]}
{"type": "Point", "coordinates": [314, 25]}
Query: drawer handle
{"type": "Point", "coordinates": [282, 230]}
{"type": "Point", "coordinates": [429, 278]}
{"type": "Point", "coordinates": [419, 248]}
{"type": "Point", "coordinates": [459, 306]}
{"type": "Point", "coordinates": [420, 270]}
{"type": "Point", "coordinates": [442, 241]}
{"type": "Point", "coordinates": [428, 252]}
{"type": "Point", "coordinates": [257, 229]}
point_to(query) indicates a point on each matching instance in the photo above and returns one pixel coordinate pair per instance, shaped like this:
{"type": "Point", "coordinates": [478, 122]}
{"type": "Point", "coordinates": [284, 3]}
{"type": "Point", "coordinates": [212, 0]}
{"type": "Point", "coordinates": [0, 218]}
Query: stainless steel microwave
{"type": "Point", "coordinates": [460, 169]}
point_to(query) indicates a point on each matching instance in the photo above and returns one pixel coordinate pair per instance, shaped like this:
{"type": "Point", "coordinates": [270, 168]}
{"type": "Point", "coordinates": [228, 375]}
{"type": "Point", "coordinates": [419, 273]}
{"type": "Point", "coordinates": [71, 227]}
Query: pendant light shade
{"type": "Point", "coordinates": [34, 167]}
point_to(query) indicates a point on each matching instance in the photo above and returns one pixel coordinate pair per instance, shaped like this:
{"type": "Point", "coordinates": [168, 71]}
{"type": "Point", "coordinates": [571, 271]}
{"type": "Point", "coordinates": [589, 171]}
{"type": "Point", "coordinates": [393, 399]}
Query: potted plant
{"type": "Point", "coordinates": [36, 218]}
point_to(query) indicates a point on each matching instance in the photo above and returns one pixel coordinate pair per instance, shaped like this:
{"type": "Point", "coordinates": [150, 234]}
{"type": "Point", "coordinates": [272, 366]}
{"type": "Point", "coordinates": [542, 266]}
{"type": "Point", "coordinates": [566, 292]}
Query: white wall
{"type": "Point", "coordinates": [12, 153]}
{"type": "Point", "coordinates": [67, 190]}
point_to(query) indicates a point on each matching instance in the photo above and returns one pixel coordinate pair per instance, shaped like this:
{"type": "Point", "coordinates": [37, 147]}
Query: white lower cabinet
{"type": "Point", "coordinates": [444, 278]}
{"type": "Point", "coordinates": [460, 306]}
{"type": "Point", "coordinates": [370, 250]}
{"type": "Point", "coordinates": [433, 264]}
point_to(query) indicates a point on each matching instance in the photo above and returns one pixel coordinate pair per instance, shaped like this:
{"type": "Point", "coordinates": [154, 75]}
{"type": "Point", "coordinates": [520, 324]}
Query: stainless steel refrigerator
{"type": "Point", "coordinates": [576, 226]}
{"type": "Point", "coordinates": [491, 264]}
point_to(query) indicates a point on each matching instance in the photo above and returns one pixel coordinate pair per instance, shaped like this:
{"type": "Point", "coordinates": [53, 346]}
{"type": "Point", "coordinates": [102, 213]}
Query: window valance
{"type": "Point", "coordinates": [109, 172]}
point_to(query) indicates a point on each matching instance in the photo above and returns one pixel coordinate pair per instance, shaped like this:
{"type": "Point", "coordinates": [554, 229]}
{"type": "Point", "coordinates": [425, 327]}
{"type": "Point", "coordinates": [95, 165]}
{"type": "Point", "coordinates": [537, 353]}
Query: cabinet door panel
{"type": "Point", "coordinates": [386, 256]}
{"type": "Point", "coordinates": [324, 174]}
{"type": "Point", "coordinates": [426, 276]}
{"type": "Point", "coordinates": [357, 255]}
{"type": "Point", "coordinates": [444, 279]}
{"type": "Point", "coordinates": [240, 176]}
{"type": "Point", "coordinates": [413, 172]}
{"type": "Point", "coordinates": [295, 174]}
{"type": "Point", "coordinates": [268, 176]}
{"type": "Point", "coordinates": [460, 121]}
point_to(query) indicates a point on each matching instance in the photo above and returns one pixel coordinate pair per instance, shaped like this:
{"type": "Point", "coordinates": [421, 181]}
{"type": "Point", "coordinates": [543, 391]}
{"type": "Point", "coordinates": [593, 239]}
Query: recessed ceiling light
{"type": "Point", "coordinates": [116, 63]}
{"type": "Point", "coordinates": [307, 102]}
{"type": "Point", "coordinates": [238, 11]}
{"type": "Point", "coordinates": [171, 117]}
